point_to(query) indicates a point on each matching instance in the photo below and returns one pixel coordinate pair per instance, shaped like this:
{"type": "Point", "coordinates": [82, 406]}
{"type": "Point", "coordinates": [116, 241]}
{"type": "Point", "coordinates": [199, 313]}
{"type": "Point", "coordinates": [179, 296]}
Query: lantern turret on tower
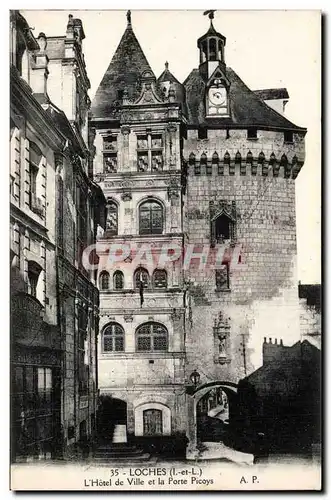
{"type": "Point", "coordinates": [211, 46]}
{"type": "Point", "coordinates": [213, 71]}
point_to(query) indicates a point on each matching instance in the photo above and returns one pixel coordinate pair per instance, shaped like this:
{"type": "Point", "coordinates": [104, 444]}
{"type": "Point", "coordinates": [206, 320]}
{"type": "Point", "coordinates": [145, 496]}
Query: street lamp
{"type": "Point", "coordinates": [195, 378]}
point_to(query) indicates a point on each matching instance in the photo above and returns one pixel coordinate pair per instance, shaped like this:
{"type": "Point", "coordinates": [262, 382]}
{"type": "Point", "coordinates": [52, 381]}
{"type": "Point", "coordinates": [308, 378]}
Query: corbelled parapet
{"type": "Point", "coordinates": [226, 152]}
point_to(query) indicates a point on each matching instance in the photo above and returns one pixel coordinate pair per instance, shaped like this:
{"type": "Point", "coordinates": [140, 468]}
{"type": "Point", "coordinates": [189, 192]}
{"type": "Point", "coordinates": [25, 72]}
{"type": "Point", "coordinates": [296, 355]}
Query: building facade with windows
{"type": "Point", "coordinates": [54, 300]}
{"type": "Point", "coordinates": [198, 259]}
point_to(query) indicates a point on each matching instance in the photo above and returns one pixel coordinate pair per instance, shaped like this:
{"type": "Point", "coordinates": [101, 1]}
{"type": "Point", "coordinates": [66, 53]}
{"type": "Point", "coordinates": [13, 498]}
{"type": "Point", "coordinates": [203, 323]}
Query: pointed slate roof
{"type": "Point", "coordinates": [167, 76]}
{"type": "Point", "coordinates": [124, 71]}
{"type": "Point", "coordinates": [247, 109]}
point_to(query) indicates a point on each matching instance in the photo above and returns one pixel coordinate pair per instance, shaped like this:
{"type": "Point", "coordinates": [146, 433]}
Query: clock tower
{"type": "Point", "coordinates": [213, 70]}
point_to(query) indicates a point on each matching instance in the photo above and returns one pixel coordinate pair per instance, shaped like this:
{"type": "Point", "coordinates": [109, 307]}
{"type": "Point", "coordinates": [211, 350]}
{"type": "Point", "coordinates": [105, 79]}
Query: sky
{"type": "Point", "coordinates": [267, 49]}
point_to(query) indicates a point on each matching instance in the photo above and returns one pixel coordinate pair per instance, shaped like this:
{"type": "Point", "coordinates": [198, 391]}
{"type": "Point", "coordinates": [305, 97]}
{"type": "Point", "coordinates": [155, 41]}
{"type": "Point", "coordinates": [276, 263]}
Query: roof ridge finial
{"type": "Point", "coordinates": [166, 64]}
{"type": "Point", "coordinates": [128, 16]}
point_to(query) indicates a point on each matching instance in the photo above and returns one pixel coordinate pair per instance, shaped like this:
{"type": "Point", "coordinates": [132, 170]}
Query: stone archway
{"type": "Point", "coordinates": [193, 399]}
{"type": "Point", "coordinates": [112, 419]}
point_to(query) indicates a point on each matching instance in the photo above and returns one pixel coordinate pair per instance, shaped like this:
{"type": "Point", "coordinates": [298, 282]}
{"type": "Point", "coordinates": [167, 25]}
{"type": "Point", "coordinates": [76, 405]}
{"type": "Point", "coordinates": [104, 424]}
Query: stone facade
{"type": "Point", "coordinates": [217, 166]}
{"type": "Point", "coordinates": [265, 278]}
{"type": "Point", "coordinates": [55, 210]}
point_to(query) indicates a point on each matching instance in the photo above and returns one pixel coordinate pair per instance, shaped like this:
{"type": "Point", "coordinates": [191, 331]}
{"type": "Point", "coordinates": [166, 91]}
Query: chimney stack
{"type": "Point", "coordinates": [39, 73]}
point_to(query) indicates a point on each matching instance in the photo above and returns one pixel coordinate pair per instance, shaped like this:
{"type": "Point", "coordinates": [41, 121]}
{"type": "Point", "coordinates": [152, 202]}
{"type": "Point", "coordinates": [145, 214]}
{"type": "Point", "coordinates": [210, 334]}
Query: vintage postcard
{"type": "Point", "coordinates": [165, 175]}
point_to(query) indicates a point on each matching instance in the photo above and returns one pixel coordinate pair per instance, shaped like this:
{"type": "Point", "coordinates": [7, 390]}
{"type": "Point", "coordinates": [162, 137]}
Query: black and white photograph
{"type": "Point", "coordinates": [165, 250]}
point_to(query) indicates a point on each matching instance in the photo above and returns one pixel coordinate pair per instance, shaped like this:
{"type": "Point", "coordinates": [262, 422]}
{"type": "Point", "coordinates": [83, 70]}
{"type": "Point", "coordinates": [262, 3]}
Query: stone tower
{"type": "Point", "coordinates": [199, 179]}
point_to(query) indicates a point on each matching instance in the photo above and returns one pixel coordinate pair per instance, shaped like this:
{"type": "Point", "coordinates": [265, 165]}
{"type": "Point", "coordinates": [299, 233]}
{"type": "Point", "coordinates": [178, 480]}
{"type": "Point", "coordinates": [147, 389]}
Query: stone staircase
{"type": "Point", "coordinates": [119, 452]}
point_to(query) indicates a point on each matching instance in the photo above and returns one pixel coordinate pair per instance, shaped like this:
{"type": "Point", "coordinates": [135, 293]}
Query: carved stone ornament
{"type": "Point", "coordinates": [176, 315]}
{"type": "Point", "coordinates": [171, 128]}
{"type": "Point", "coordinates": [221, 331]}
{"type": "Point", "coordinates": [126, 195]}
{"type": "Point", "coordinates": [128, 318]}
{"type": "Point", "coordinates": [149, 94]}
{"type": "Point", "coordinates": [58, 163]}
{"type": "Point", "coordinates": [173, 189]}
{"type": "Point", "coordinates": [125, 130]}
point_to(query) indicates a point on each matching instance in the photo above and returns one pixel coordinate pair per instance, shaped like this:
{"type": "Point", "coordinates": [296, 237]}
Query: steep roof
{"type": "Point", "coordinates": [167, 76]}
{"type": "Point", "coordinates": [124, 71]}
{"type": "Point", "coordinates": [292, 361]}
{"type": "Point", "coordinates": [270, 94]}
{"type": "Point", "coordinates": [246, 108]}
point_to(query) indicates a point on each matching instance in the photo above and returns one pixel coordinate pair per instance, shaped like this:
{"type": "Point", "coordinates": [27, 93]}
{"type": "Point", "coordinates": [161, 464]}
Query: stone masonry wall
{"type": "Point", "coordinates": [263, 297]}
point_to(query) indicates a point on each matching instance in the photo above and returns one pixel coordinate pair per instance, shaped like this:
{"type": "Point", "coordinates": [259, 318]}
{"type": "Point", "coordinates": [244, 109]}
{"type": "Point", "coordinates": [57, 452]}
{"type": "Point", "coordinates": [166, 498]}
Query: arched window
{"type": "Point", "coordinates": [34, 270]}
{"type": "Point", "coordinates": [112, 218]}
{"type": "Point", "coordinates": [160, 278]}
{"type": "Point", "coordinates": [222, 228]}
{"type": "Point", "coordinates": [104, 280]}
{"type": "Point", "coordinates": [118, 279]}
{"type": "Point", "coordinates": [151, 337]}
{"type": "Point", "coordinates": [212, 49]}
{"type": "Point", "coordinates": [141, 274]}
{"type": "Point", "coordinates": [150, 218]}
{"type": "Point", "coordinates": [113, 338]}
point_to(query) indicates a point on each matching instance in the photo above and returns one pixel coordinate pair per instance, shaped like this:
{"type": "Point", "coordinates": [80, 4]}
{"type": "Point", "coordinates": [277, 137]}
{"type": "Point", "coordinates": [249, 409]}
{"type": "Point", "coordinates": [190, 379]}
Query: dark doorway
{"type": "Point", "coordinates": [111, 413]}
{"type": "Point", "coordinates": [212, 416]}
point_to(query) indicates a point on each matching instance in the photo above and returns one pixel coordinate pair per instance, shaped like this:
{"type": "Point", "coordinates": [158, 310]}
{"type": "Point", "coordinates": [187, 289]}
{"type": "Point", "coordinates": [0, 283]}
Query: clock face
{"type": "Point", "coordinates": [217, 96]}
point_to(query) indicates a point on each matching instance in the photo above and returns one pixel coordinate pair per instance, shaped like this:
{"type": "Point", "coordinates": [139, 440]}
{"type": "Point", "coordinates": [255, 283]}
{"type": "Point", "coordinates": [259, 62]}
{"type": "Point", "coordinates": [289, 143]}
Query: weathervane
{"type": "Point", "coordinates": [210, 14]}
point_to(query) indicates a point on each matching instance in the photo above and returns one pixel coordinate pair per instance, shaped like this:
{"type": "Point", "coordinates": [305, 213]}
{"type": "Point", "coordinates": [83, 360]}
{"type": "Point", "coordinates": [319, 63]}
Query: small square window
{"type": "Point", "coordinates": [202, 133]}
{"type": "Point", "coordinates": [288, 137]}
{"type": "Point", "coordinates": [252, 133]}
